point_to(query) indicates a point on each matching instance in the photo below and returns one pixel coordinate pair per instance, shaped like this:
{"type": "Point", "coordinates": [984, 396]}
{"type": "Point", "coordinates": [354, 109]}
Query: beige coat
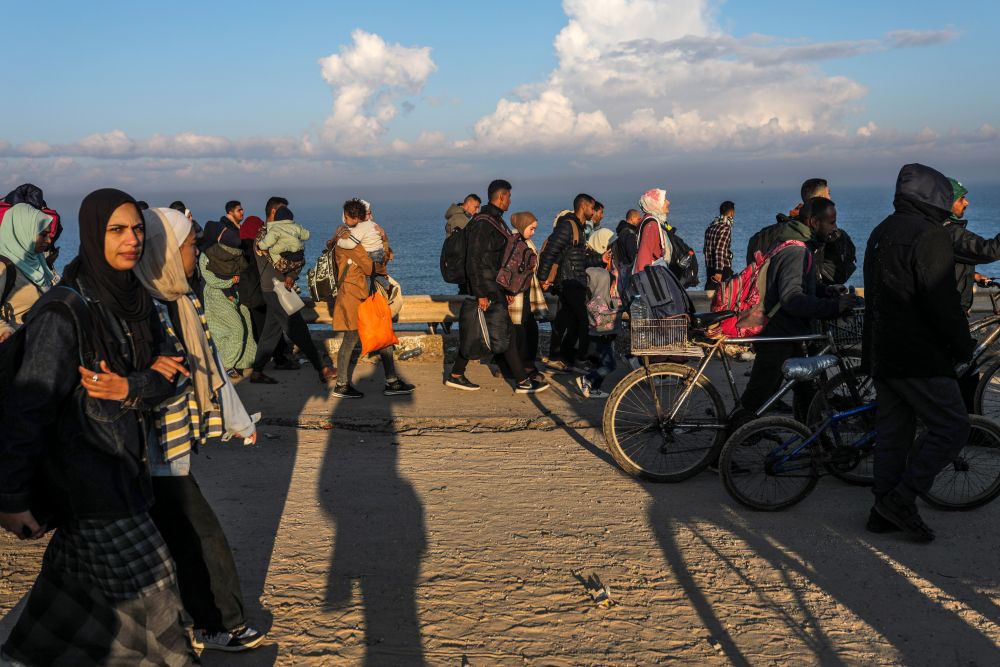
{"type": "Point", "coordinates": [22, 298]}
{"type": "Point", "coordinates": [354, 267]}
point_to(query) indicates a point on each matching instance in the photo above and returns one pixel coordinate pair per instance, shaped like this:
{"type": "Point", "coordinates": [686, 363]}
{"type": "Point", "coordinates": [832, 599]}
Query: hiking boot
{"type": "Point", "coordinates": [903, 513]}
{"type": "Point", "coordinates": [346, 391]}
{"type": "Point", "coordinates": [879, 524]}
{"type": "Point", "coordinates": [461, 382]}
{"type": "Point", "coordinates": [240, 639]}
{"type": "Point", "coordinates": [259, 378]}
{"type": "Point", "coordinates": [582, 386]}
{"type": "Point", "coordinates": [397, 388]}
{"type": "Point", "coordinates": [530, 387]}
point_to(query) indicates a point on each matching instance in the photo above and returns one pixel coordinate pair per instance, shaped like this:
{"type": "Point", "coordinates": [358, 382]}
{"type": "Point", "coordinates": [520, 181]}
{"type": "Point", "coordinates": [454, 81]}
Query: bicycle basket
{"type": "Point", "coordinates": [847, 330]}
{"type": "Point", "coordinates": [662, 336]}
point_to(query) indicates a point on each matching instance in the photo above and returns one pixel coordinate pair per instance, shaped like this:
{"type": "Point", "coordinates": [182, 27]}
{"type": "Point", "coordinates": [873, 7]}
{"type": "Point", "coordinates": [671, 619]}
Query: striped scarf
{"type": "Point", "coordinates": [536, 298]}
{"type": "Point", "coordinates": [180, 423]}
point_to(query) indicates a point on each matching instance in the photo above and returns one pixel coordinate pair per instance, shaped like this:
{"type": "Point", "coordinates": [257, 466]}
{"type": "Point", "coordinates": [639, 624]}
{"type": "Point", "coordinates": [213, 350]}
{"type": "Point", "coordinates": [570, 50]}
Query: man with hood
{"type": "Point", "coordinates": [970, 249]}
{"type": "Point", "coordinates": [458, 215]}
{"type": "Point", "coordinates": [915, 334]}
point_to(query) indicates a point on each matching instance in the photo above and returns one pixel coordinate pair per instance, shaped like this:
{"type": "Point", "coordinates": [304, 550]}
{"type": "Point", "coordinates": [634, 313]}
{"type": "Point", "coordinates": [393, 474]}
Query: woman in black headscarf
{"type": "Point", "coordinates": [77, 421]}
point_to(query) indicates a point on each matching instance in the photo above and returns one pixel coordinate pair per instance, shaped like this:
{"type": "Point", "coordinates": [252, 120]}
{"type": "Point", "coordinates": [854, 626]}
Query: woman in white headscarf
{"type": "Point", "coordinates": [205, 407]}
{"type": "Point", "coordinates": [654, 243]}
{"type": "Point", "coordinates": [24, 238]}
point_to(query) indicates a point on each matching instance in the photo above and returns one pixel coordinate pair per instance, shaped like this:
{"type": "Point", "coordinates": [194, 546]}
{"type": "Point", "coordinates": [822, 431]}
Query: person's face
{"type": "Point", "coordinates": [530, 230]}
{"type": "Point", "coordinates": [597, 217]}
{"type": "Point", "coordinates": [958, 208]}
{"type": "Point", "coordinates": [273, 212]}
{"type": "Point", "coordinates": [470, 206]}
{"type": "Point", "coordinates": [825, 225]}
{"type": "Point", "coordinates": [732, 214]}
{"type": "Point", "coordinates": [503, 200]}
{"type": "Point", "coordinates": [666, 206]}
{"type": "Point", "coordinates": [42, 242]}
{"type": "Point", "coordinates": [237, 214]}
{"type": "Point", "coordinates": [351, 222]}
{"type": "Point", "coordinates": [123, 238]}
{"type": "Point", "coordinates": [189, 254]}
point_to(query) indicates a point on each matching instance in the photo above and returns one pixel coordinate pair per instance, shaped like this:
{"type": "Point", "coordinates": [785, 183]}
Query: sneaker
{"type": "Point", "coordinates": [530, 387]}
{"type": "Point", "coordinates": [903, 513]}
{"type": "Point", "coordinates": [240, 639]}
{"type": "Point", "coordinates": [346, 391]}
{"type": "Point", "coordinates": [879, 524]}
{"type": "Point", "coordinates": [582, 386]}
{"type": "Point", "coordinates": [461, 382]}
{"type": "Point", "coordinates": [397, 388]}
{"type": "Point", "coordinates": [557, 366]}
{"type": "Point", "coordinates": [259, 378]}
{"type": "Point", "coordinates": [598, 393]}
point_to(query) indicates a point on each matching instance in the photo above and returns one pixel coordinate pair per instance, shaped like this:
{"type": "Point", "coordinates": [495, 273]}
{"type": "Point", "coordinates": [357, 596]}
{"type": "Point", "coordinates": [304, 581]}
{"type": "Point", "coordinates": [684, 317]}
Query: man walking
{"type": "Point", "coordinates": [719, 247]}
{"type": "Point", "coordinates": [915, 334]}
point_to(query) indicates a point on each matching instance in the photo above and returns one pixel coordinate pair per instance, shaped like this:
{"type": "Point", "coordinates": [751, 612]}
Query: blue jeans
{"type": "Point", "coordinates": [604, 348]}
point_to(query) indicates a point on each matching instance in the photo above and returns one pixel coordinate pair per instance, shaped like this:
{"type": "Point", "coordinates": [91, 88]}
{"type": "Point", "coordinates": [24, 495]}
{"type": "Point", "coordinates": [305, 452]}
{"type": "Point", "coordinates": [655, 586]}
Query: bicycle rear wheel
{"type": "Point", "coordinates": [836, 397]}
{"type": "Point", "coordinates": [761, 468]}
{"type": "Point", "coordinates": [987, 400]}
{"type": "Point", "coordinates": [973, 478]}
{"type": "Point", "coordinates": [654, 448]}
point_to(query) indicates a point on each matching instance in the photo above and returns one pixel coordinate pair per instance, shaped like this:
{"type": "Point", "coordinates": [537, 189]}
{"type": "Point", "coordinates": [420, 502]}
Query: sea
{"type": "Point", "coordinates": [414, 218]}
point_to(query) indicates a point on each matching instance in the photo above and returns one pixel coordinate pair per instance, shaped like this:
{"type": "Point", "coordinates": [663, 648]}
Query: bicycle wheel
{"type": "Point", "coordinates": [987, 400]}
{"type": "Point", "coordinates": [760, 467]}
{"type": "Point", "coordinates": [982, 328]}
{"type": "Point", "coordinates": [657, 449]}
{"type": "Point", "coordinates": [847, 463]}
{"type": "Point", "coordinates": [973, 478]}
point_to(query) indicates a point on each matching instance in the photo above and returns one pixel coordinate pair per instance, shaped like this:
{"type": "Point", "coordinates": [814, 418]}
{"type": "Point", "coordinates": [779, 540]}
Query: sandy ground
{"type": "Point", "coordinates": [360, 545]}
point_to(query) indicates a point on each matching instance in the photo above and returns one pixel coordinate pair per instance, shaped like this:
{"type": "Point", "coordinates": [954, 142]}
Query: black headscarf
{"type": "Point", "coordinates": [119, 292]}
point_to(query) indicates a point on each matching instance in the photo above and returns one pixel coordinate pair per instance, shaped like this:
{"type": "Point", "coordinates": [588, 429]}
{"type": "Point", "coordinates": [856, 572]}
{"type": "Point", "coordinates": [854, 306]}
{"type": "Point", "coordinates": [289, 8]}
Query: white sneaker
{"type": "Point", "coordinates": [583, 386]}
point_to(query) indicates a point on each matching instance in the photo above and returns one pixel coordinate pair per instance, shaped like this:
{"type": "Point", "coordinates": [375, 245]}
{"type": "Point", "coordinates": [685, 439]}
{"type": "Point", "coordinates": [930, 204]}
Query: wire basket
{"type": "Point", "coordinates": [847, 330]}
{"type": "Point", "coordinates": [664, 336]}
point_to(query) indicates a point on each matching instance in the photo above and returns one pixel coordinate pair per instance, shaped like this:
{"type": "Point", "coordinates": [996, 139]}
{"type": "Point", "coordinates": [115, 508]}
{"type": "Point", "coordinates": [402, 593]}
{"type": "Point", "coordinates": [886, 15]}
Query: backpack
{"type": "Point", "coordinates": [517, 264]}
{"type": "Point", "coordinates": [322, 278]}
{"type": "Point", "coordinates": [683, 260]}
{"type": "Point", "coordinates": [10, 277]}
{"type": "Point", "coordinates": [554, 271]}
{"type": "Point", "coordinates": [744, 293]}
{"type": "Point", "coordinates": [453, 252]}
{"type": "Point", "coordinates": [660, 292]}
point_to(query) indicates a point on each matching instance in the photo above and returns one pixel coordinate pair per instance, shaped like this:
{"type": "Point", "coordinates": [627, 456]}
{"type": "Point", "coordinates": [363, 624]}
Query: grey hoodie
{"type": "Point", "coordinates": [456, 218]}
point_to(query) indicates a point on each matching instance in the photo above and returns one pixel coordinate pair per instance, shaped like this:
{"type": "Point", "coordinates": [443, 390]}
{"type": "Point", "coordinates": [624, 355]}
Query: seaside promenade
{"type": "Point", "coordinates": [454, 528]}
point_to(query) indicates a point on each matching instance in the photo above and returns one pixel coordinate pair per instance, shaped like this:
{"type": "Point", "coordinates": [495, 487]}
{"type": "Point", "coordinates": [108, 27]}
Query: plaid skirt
{"type": "Point", "coordinates": [106, 595]}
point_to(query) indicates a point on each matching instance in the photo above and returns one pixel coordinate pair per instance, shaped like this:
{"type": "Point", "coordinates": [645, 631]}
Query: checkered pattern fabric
{"type": "Point", "coordinates": [718, 244]}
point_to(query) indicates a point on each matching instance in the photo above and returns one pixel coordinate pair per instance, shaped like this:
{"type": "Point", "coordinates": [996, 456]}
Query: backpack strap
{"type": "Point", "coordinates": [10, 277]}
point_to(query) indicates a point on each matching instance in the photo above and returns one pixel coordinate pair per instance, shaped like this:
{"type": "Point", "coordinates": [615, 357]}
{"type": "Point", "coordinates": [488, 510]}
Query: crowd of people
{"type": "Point", "coordinates": [120, 369]}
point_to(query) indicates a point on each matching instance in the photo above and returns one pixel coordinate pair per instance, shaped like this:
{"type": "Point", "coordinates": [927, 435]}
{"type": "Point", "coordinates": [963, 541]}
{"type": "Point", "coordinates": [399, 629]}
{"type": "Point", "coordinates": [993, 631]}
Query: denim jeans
{"type": "Point", "coordinates": [604, 348]}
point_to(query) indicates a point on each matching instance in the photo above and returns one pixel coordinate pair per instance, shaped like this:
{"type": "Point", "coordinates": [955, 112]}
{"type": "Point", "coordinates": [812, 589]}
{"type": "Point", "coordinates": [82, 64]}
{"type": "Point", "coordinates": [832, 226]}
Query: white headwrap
{"type": "Point", "coordinates": [654, 202]}
{"type": "Point", "coordinates": [601, 240]}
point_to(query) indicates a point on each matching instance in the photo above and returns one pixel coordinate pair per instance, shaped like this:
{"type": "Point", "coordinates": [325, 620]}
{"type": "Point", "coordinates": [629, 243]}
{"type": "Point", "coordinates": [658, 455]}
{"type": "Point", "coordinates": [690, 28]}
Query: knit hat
{"type": "Point", "coordinates": [522, 220]}
{"type": "Point", "coordinates": [284, 213]}
{"type": "Point", "coordinates": [601, 240]}
{"type": "Point", "coordinates": [958, 190]}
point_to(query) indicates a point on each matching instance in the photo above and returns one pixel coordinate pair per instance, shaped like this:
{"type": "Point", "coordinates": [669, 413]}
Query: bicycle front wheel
{"type": "Point", "coordinates": [765, 465]}
{"type": "Point", "coordinates": [973, 478]}
{"type": "Point", "coordinates": [651, 446]}
{"type": "Point", "coordinates": [853, 465]}
{"type": "Point", "coordinates": [987, 400]}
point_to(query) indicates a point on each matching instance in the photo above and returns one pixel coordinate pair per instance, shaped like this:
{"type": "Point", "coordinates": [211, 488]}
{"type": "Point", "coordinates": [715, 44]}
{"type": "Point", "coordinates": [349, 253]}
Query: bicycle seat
{"type": "Point", "coordinates": [807, 368]}
{"type": "Point", "coordinates": [705, 320]}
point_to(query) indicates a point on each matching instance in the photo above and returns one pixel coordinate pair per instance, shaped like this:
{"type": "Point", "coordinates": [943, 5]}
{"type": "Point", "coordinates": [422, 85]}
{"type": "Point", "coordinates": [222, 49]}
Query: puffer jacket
{"type": "Point", "coordinates": [970, 249]}
{"type": "Point", "coordinates": [484, 252]}
{"type": "Point", "coordinates": [914, 322]}
{"type": "Point", "coordinates": [571, 258]}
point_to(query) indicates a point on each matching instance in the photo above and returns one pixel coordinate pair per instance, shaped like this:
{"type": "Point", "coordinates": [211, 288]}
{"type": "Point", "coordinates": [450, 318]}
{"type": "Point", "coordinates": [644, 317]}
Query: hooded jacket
{"type": "Point", "coordinates": [836, 260]}
{"type": "Point", "coordinates": [627, 244]}
{"type": "Point", "coordinates": [970, 249]}
{"type": "Point", "coordinates": [455, 218]}
{"type": "Point", "coordinates": [914, 323]}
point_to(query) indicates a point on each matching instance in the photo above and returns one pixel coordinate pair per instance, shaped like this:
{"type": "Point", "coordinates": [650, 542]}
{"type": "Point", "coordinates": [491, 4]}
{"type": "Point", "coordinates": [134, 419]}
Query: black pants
{"type": "Point", "coordinates": [206, 572]}
{"type": "Point", "coordinates": [766, 376]}
{"type": "Point", "coordinates": [511, 356]}
{"type": "Point", "coordinates": [278, 322]}
{"type": "Point", "coordinates": [570, 338]}
{"type": "Point", "coordinates": [525, 335]}
{"type": "Point", "coordinates": [345, 359]}
{"type": "Point", "coordinates": [937, 401]}
{"type": "Point", "coordinates": [258, 316]}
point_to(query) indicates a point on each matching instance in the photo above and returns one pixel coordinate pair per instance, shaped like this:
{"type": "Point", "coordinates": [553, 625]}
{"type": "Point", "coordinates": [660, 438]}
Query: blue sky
{"type": "Point", "coordinates": [225, 91]}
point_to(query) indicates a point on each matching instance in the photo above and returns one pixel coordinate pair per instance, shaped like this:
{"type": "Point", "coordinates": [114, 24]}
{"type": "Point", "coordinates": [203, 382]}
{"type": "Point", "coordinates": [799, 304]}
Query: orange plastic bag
{"type": "Point", "coordinates": [375, 324]}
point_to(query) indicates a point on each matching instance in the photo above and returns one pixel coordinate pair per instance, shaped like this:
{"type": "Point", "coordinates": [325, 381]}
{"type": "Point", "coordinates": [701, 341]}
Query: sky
{"type": "Point", "coordinates": [310, 94]}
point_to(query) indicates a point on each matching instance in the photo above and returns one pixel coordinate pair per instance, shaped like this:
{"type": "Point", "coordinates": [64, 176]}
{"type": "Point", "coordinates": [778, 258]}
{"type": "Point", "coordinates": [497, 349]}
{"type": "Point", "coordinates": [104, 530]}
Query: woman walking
{"type": "Point", "coordinates": [530, 305]}
{"type": "Point", "coordinates": [75, 438]}
{"type": "Point", "coordinates": [24, 239]}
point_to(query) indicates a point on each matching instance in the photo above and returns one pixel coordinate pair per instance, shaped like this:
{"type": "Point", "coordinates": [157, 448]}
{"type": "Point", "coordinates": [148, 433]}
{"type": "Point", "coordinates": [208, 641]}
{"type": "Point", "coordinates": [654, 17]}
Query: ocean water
{"type": "Point", "coordinates": [415, 222]}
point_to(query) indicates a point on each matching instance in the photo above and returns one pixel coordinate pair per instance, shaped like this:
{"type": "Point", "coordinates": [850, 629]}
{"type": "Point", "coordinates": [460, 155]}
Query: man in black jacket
{"type": "Point", "coordinates": [627, 244]}
{"type": "Point", "coordinates": [485, 244]}
{"type": "Point", "coordinates": [970, 249]}
{"type": "Point", "coordinates": [915, 334]}
{"type": "Point", "coordinates": [567, 248]}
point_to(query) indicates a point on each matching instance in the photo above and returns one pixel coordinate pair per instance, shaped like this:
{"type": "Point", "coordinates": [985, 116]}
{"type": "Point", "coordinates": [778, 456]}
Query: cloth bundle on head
{"type": "Point", "coordinates": [522, 220]}
{"type": "Point", "coordinates": [161, 271]}
{"type": "Point", "coordinates": [601, 240]}
{"type": "Point", "coordinates": [654, 202]}
{"type": "Point", "coordinates": [22, 225]}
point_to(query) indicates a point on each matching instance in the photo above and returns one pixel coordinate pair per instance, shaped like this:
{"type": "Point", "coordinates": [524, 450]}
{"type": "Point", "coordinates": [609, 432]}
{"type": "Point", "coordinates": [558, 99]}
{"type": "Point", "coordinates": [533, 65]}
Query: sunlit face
{"type": "Point", "coordinates": [597, 217]}
{"type": "Point", "coordinates": [666, 206]}
{"type": "Point", "coordinates": [42, 242]}
{"type": "Point", "coordinates": [123, 238]}
{"type": "Point", "coordinates": [237, 214]}
{"type": "Point", "coordinates": [530, 230]}
{"type": "Point", "coordinates": [958, 208]}
{"type": "Point", "coordinates": [189, 254]}
{"type": "Point", "coordinates": [503, 200]}
{"type": "Point", "coordinates": [471, 206]}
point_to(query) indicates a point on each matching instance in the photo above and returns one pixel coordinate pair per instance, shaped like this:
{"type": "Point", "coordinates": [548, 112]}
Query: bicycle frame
{"type": "Point", "coordinates": [830, 421]}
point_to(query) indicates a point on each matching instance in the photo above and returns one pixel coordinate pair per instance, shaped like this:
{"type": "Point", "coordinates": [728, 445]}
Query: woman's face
{"type": "Point", "coordinates": [189, 254]}
{"type": "Point", "coordinates": [42, 242]}
{"type": "Point", "coordinates": [123, 238]}
{"type": "Point", "coordinates": [530, 230]}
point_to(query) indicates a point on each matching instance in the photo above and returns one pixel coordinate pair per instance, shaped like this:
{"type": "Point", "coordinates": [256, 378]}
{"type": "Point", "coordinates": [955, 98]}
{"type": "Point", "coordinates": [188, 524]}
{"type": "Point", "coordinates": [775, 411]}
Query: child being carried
{"type": "Point", "coordinates": [366, 233]}
{"type": "Point", "coordinates": [283, 242]}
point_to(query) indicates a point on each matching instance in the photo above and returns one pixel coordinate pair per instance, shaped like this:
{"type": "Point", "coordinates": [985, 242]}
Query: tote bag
{"type": "Point", "coordinates": [375, 323]}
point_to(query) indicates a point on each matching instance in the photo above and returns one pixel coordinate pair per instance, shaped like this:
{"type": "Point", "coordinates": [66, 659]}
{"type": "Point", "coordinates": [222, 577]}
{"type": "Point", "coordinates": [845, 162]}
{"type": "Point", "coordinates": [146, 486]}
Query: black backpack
{"type": "Point", "coordinates": [453, 257]}
{"type": "Point", "coordinates": [683, 260]}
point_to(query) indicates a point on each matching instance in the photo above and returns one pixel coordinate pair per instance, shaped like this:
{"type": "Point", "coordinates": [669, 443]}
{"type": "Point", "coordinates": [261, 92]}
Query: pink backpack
{"type": "Point", "coordinates": [744, 293]}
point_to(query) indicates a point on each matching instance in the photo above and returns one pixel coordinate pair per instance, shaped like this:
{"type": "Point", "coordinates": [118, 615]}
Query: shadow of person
{"type": "Point", "coordinates": [379, 536]}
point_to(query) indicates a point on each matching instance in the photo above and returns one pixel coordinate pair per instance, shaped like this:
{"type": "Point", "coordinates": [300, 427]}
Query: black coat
{"type": "Point", "coordinates": [914, 322]}
{"type": "Point", "coordinates": [484, 252]}
{"type": "Point", "coordinates": [970, 249]}
{"type": "Point", "coordinates": [571, 257]}
{"type": "Point", "coordinates": [836, 260]}
{"type": "Point", "coordinates": [627, 244]}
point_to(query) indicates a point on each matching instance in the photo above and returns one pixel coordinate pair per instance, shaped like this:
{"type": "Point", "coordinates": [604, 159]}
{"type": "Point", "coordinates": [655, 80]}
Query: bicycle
{"type": "Point", "coordinates": [986, 401]}
{"type": "Point", "coordinates": [773, 462]}
{"type": "Point", "coordinates": [666, 421]}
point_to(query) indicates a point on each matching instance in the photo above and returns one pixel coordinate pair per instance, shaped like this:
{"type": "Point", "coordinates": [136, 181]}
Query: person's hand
{"type": "Point", "coordinates": [836, 290]}
{"type": "Point", "coordinates": [104, 384]}
{"type": "Point", "coordinates": [289, 283]}
{"type": "Point", "coordinates": [546, 284]}
{"type": "Point", "coordinates": [484, 303]}
{"type": "Point", "coordinates": [52, 256]}
{"type": "Point", "coordinates": [5, 334]}
{"type": "Point", "coordinates": [22, 524]}
{"type": "Point", "coordinates": [510, 298]}
{"type": "Point", "coordinates": [717, 277]}
{"type": "Point", "coordinates": [169, 367]}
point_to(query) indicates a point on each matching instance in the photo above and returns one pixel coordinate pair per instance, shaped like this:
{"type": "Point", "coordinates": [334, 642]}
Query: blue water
{"type": "Point", "coordinates": [415, 222]}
